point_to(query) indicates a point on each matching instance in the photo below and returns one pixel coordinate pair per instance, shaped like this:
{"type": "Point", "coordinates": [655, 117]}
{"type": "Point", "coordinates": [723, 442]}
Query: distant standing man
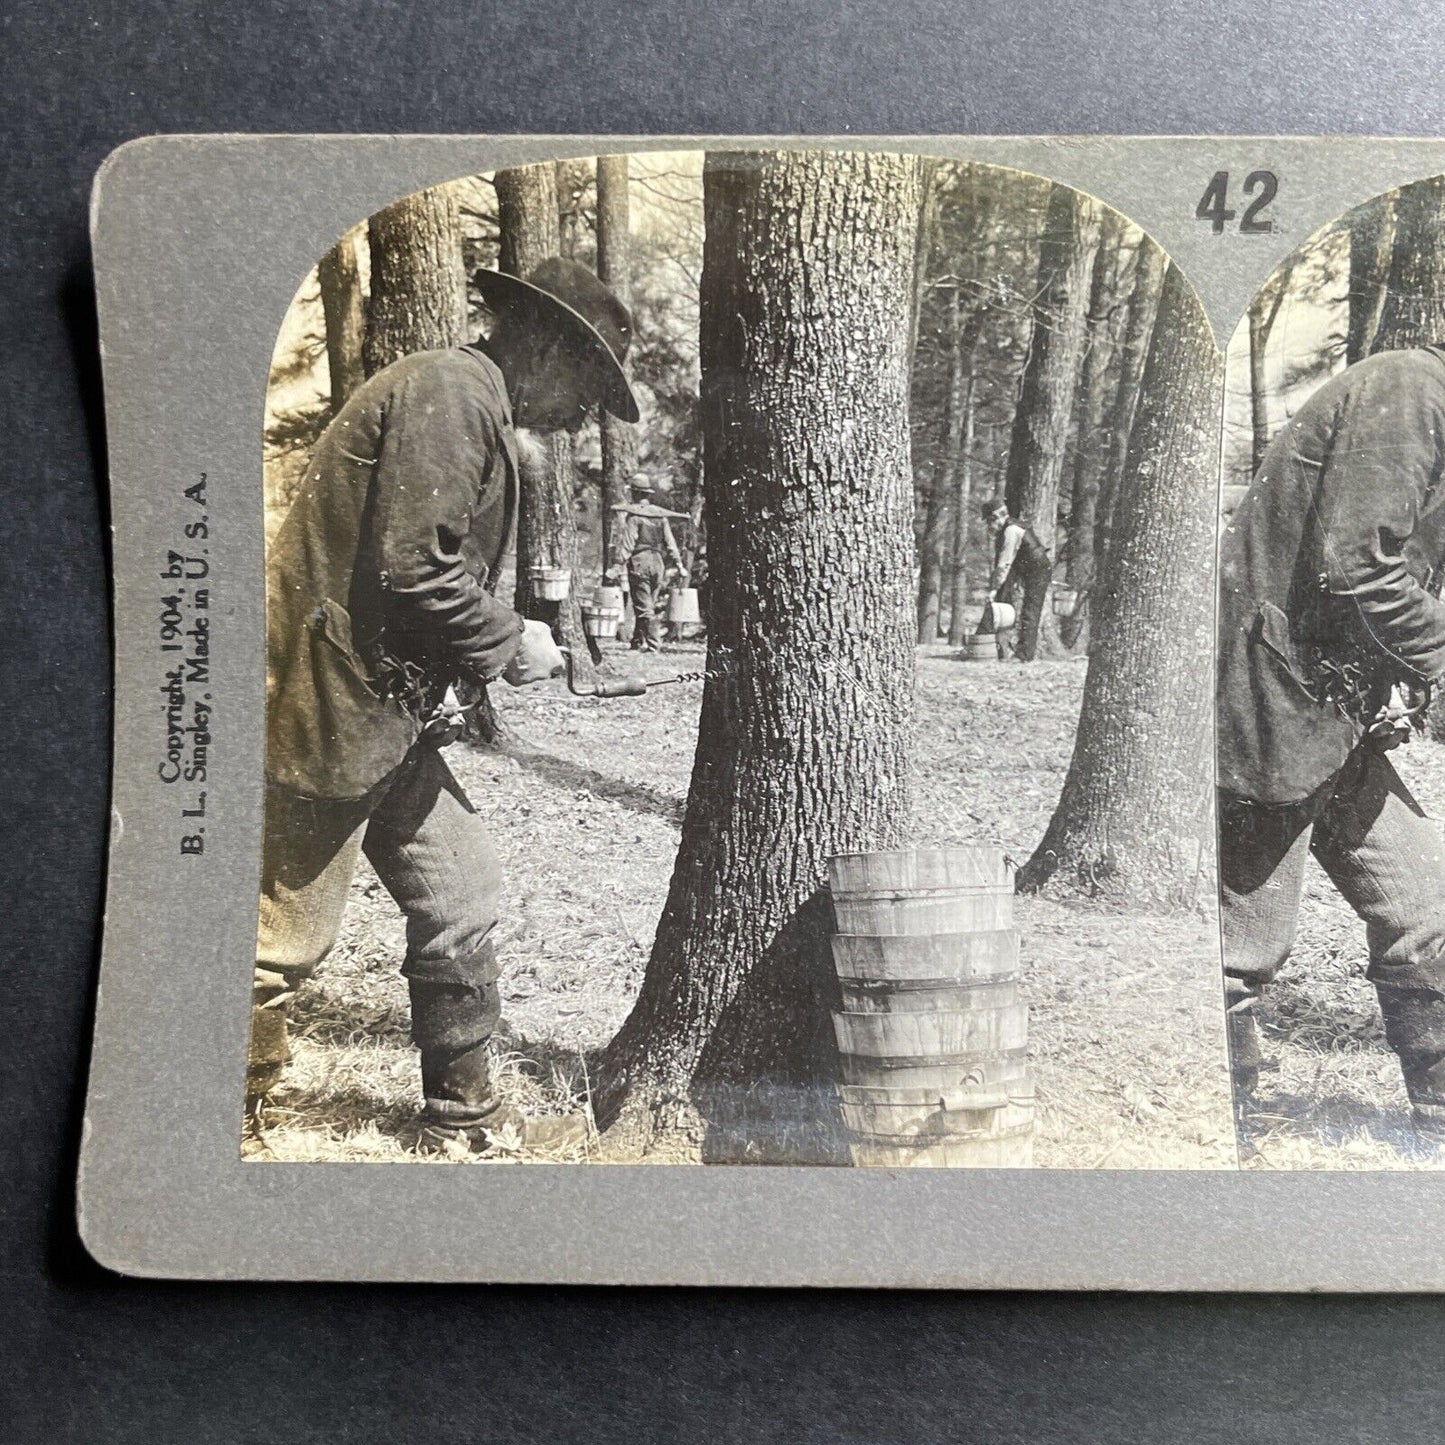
{"type": "Point", "coordinates": [643, 544]}
{"type": "Point", "coordinates": [378, 601]}
{"type": "Point", "coordinates": [1330, 632]}
{"type": "Point", "coordinates": [1022, 571]}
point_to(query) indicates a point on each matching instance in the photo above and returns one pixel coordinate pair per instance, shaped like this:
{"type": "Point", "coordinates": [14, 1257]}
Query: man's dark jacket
{"type": "Point", "coordinates": [1327, 576]}
{"type": "Point", "coordinates": [376, 594]}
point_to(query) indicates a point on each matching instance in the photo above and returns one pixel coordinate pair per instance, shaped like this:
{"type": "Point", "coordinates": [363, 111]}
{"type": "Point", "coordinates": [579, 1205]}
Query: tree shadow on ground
{"type": "Point", "coordinates": [564, 773]}
{"type": "Point", "coordinates": [766, 1083]}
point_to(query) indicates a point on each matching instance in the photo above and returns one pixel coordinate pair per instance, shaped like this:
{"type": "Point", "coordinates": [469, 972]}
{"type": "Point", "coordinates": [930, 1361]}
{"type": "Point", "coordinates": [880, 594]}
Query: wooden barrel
{"type": "Point", "coordinates": [932, 1031]}
{"type": "Point", "coordinates": [981, 647]}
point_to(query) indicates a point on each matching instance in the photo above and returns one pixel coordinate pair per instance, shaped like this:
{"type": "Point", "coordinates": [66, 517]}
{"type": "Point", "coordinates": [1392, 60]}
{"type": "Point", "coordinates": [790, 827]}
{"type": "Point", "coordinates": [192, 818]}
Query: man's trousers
{"type": "Point", "coordinates": [434, 856]}
{"type": "Point", "coordinates": [1388, 862]}
{"type": "Point", "coordinates": [645, 574]}
{"type": "Point", "coordinates": [1028, 594]}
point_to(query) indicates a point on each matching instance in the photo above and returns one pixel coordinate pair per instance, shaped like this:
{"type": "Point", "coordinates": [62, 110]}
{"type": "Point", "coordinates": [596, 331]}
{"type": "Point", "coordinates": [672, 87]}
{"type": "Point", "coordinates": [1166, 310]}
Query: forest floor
{"type": "Point", "coordinates": [585, 801]}
{"type": "Point", "coordinates": [1335, 1098]}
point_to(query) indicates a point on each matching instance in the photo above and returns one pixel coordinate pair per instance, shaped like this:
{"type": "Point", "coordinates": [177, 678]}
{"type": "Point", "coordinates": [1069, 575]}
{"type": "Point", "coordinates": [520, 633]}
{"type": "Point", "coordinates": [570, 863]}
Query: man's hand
{"type": "Point", "coordinates": [612, 576]}
{"type": "Point", "coordinates": [536, 659]}
{"type": "Point", "coordinates": [447, 722]}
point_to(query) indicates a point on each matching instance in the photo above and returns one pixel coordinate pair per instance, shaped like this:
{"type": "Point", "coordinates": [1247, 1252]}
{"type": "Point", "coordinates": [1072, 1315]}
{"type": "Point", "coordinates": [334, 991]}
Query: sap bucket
{"type": "Point", "coordinates": [600, 622]}
{"type": "Point", "coordinates": [550, 584]}
{"type": "Point", "coordinates": [682, 606]}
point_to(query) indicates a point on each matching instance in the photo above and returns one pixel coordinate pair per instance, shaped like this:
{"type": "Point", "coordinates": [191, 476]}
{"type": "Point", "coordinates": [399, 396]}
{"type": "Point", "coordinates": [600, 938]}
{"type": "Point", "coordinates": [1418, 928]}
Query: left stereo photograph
{"type": "Point", "coordinates": [708, 602]}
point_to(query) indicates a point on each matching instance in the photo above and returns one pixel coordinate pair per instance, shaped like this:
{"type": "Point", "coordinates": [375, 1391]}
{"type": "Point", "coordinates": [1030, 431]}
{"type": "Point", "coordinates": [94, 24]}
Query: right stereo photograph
{"type": "Point", "coordinates": [1330, 711]}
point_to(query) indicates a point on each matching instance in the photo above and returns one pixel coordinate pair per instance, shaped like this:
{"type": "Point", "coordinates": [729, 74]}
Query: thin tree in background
{"type": "Point", "coordinates": [546, 520]}
{"type": "Point", "coordinates": [803, 739]}
{"type": "Point", "coordinates": [1056, 349]}
{"type": "Point", "coordinates": [1091, 445]}
{"type": "Point", "coordinates": [1135, 817]}
{"type": "Point", "coordinates": [418, 283]}
{"type": "Point", "coordinates": [339, 280]}
{"type": "Point", "coordinates": [614, 266]}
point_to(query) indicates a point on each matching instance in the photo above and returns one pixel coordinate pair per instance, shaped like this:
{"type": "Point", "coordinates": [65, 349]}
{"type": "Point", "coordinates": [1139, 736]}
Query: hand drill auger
{"type": "Point", "coordinates": [622, 686]}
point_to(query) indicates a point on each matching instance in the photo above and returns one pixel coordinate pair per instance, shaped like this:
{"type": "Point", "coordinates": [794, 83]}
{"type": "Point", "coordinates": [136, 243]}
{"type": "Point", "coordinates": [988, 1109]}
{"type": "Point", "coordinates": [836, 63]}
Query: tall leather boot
{"type": "Point", "coordinates": [1246, 1058]}
{"type": "Point", "coordinates": [271, 995]}
{"type": "Point", "coordinates": [1415, 1029]}
{"type": "Point", "coordinates": [451, 1025]}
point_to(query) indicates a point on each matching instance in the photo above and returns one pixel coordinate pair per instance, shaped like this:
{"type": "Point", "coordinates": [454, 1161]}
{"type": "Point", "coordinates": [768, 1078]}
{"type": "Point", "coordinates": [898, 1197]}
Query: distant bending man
{"type": "Point", "coordinates": [1022, 571]}
{"type": "Point", "coordinates": [1330, 631]}
{"type": "Point", "coordinates": [378, 601]}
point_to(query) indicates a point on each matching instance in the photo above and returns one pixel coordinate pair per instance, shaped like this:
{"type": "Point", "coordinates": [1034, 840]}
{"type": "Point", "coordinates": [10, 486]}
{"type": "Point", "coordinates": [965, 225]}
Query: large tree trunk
{"type": "Point", "coordinates": [1135, 817]}
{"type": "Point", "coordinates": [546, 518]}
{"type": "Point", "coordinates": [1051, 372]}
{"type": "Point", "coordinates": [418, 282]}
{"type": "Point", "coordinates": [1149, 268]}
{"type": "Point", "coordinates": [1372, 243]}
{"type": "Point", "coordinates": [614, 266]}
{"type": "Point", "coordinates": [803, 740]}
{"type": "Point", "coordinates": [341, 303]}
{"type": "Point", "coordinates": [1413, 313]}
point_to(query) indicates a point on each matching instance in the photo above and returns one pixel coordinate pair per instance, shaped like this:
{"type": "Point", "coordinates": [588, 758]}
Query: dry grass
{"type": "Point", "coordinates": [1335, 1098]}
{"type": "Point", "coordinates": [586, 806]}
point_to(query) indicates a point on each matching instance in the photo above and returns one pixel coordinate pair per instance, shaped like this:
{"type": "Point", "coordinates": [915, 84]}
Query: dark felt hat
{"type": "Point", "coordinates": [598, 322]}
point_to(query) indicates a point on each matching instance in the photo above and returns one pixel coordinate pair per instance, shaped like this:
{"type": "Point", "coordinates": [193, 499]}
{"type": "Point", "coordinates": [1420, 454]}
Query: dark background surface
{"type": "Point", "coordinates": [86, 1356]}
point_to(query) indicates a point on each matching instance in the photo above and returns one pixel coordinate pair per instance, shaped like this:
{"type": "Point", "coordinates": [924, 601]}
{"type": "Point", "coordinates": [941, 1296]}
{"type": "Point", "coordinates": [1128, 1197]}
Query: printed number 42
{"type": "Point", "coordinates": [1214, 203]}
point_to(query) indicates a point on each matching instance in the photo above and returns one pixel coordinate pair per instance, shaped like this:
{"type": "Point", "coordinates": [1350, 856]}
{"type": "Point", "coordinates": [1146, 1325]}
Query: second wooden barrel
{"type": "Point", "coordinates": [932, 1032]}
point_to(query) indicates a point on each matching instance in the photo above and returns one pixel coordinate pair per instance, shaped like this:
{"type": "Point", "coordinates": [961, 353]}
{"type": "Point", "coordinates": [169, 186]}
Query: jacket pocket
{"type": "Point", "coordinates": [1271, 632]}
{"type": "Point", "coordinates": [1276, 742]}
{"type": "Point", "coordinates": [329, 734]}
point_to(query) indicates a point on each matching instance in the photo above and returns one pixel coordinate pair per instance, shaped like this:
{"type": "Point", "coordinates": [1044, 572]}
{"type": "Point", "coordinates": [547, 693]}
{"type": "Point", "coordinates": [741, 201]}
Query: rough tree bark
{"type": "Point", "coordinates": [345, 313]}
{"type": "Point", "coordinates": [418, 281]}
{"type": "Point", "coordinates": [546, 521]}
{"type": "Point", "coordinates": [614, 266]}
{"type": "Point", "coordinates": [1413, 313]}
{"type": "Point", "coordinates": [1372, 243]}
{"type": "Point", "coordinates": [1051, 372]}
{"type": "Point", "coordinates": [1149, 268]}
{"type": "Point", "coordinates": [803, 739]}
{"type": "Point", "coordinates": [1135, 817]}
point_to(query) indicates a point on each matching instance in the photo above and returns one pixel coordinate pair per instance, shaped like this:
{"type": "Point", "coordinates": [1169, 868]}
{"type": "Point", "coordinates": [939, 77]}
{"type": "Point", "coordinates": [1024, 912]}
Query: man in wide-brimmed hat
{"type": "Point", "coordinates": [1331, 630]}
{"type": "Point", "coordinates": [378, 601]}
{"type": "Point", "coordinates": [642, 542]}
